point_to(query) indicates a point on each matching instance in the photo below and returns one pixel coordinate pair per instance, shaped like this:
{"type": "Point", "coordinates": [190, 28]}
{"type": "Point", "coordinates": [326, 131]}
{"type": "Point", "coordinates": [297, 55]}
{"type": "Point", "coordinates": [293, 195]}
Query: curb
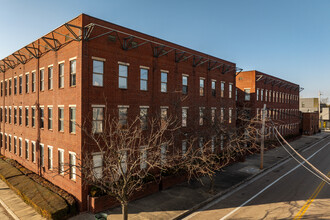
{"type": "Point", "coordinates": [211, 199]}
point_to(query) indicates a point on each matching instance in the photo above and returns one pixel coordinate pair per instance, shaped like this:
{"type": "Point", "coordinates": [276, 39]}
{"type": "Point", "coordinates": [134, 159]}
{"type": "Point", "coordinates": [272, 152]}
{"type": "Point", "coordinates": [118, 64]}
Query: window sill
{"type": "Point", "coordinates": [73, 133]}
{"type": "Point", "coordinates": [61, 131]}
{"type": "Point", "coordinates": [123, 88]}
{"type": "Point", "coordinates": [73, 86]}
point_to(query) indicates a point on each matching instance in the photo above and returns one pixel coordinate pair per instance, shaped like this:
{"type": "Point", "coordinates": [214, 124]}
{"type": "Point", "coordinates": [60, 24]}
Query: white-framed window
{"type": "Point", "coordinates": [20, 147]}
{"type": "Point", "coordinates": [61, 161]}
{"type": "Point", "coordinates": [20, 84]}
{"type": "Point", "coordinates": [72, 164]}
{"type": "Point", "coordinates": [9, 142]}
{"type": "Point", "coordinates": [144, 117]}
{"type": "Point", "coordinates": [98, 119]}
{"type": "Point", "coordinates": [50, 118]}
{"type": "Point", "coordinates": [230, 95]}
{"type": "Point", "coordinates": [184, 147]}
{"type": "Point", "coordinates": [185, 84]}
{"type": "Point", "coordinates": [50, 157]}
{"type": "Point", "coordinates": [42, 155]}
{"type": "Point", "coordinates": [222, 114]}
{"type": "Point", "coordinates": [201, 143]}
{"type": "Point", "coordinates": [201, 115]}
{"type": "Point", "coordinates": [98, 165]}
{"type": "Point", "coordinates": [213, 144]}
{"type": "Point", "coordinates": [72, 117]}
{"type": "Point", "coordinates": [163, 115]}
{"type": "Point", "coordinates": [230, 115]}
{"type": "Point", "coordinates": [163, 82]}
{"type": "Point", "coordinates": [33, 81]}
{"type": "Point", "coordinates": [221, 141]}
{"type": "Point", "coordinates": [42, 79]}
{"type": "Point", "coordinates": [222, 91]}
{"type": "Point", "coordinates": [201, 86]}
{"type": "Point", "coordinates": [61, 118]}
{"type": "Point", "coordinates": [123, 161]}
{"type": "Point", "coordinates": [15, 85]}
{"type": "Point", "coordinates": [61, 75]}
{"type": "Point", "coordinates": [143, 157]}
{"type": "Point", "coordinates": [50, 77]}
{"type": "Point", "coordinates": [98, 72]}
{"type": "Point", "coordinates": [213, 114]}
{"type": "Point", "coordinates": [262, 95]}
{"type": "Point", "coordinates": [26, 149]}
{"type": "Point", "coordinates": [123, 76]}
{"type": "Point", "coordinates": [213, 87]}
{"type": "Point", "coordinates": [42, 117]}
{"type": "Point", "coordinates": [33, 145]}
{"type": "Point", "coordinates": [122, 111]}
{"type": "Point", "coordinates": [73, 73]}
{"type": "Point", "coordinates": [144, 79]}
{"type": "Point", "coordinates": [163, 152]}
{"type": "Point", "coordinates": [184, 116]}
{"type": "Point", "coordinates": [26, 116]}
{"type": "Point", "coordinates": [247, 94]}
{"type": "Point", "coordinates": [33, 116]}
{"type": "Point", "coordinates": [266, 95]}
{"type": "Point", "coordinates": [15, 145]}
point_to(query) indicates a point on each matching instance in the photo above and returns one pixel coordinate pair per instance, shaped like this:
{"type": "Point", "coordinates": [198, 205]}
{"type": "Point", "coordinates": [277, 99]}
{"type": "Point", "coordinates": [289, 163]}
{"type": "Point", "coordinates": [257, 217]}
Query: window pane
{"type": "Point", "coordinates": [164, 77]}
{"type": "Point", "coordinates": [97, 113]}
{"type": "Point", "coordinates": [143, 85]}
{"type": "Point", "coordinates": [97, 80]}
{"type": "Point", "coordinates": [97, 66]}
{"type": "Point", "coordinates": [144, 74]}
{"type": "Point", "coordinates": [184, 80]}
{"type": "Point", "coordinates": [123, 70]}
{"type": "Point", "coordinates": [122, 83]}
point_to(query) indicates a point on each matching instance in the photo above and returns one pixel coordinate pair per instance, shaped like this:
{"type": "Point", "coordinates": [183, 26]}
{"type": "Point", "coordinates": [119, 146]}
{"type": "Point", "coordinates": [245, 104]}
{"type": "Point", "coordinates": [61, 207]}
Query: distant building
{"type": "Point", "coordinates": [309, 104]}
{"type": "Point", "coordinates": [310, 123]}
{"type": "Point", "coordinates": [254, 89]}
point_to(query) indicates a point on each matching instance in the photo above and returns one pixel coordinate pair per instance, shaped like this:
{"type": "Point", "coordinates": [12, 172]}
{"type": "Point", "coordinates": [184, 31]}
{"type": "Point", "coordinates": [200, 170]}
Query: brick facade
{"type": "Point", "coordinates": [255, 89]}
{"type": "Point", "coordinates": [175, 60]}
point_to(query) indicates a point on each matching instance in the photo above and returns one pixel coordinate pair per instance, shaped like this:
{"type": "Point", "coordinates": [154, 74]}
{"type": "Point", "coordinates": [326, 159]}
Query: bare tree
{"type": "Point", "coordinates": [130, 153]}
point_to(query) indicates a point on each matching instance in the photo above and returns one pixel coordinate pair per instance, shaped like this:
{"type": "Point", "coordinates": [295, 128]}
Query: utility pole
{"type": "Point", "coordinates": [263, 115]}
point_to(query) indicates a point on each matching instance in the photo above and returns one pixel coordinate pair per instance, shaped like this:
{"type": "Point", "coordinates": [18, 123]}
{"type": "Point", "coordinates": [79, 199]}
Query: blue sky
{"type": "Point", "coordinates": [286, 38]}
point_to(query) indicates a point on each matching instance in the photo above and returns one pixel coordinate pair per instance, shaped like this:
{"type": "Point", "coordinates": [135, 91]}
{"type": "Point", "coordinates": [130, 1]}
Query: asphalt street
{"type": "Point", "coordinates": [287, 191]}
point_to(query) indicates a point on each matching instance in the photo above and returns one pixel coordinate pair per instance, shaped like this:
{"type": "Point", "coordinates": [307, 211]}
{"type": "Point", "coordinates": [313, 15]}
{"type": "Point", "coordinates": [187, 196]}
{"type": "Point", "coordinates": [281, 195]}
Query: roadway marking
{"type": "Point", "coordinates": [302, 211]}
{"type": "Point", "coordinates": [264, 189]}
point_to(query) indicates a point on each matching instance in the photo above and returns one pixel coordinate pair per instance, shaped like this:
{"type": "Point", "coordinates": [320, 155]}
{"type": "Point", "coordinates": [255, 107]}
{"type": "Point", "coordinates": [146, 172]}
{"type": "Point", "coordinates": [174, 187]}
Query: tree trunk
{"type": "Point", "coordinates": [124, 210]}
{"type": "Point", "coordinates": [211, 189]}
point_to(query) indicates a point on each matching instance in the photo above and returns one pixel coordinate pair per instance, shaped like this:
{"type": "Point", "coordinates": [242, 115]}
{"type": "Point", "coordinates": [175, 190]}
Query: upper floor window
{"type": "Point", "coordinates": [266, 95]}
{"type": "Point", "coordinates": [61, 119]}
{"type": "Point", "coordinates": [33, 81]}
{"type": "Point", "coordinates": [163, 82]}
{"type": "Point", "coordinates": [42, 79]}
{"type": "Point", "coordinates": [184, 84]}
{"type": "Point", "coordinates": [1, 88]}
{"type": "Point", "coordinates": [15, 85]}
{"type": "Point", "coordinates": [123, 75]}
{"type": "Point", "coordinates": [143, 79]}
{"type": "Point", "coordinates": [50, 118]}
{"type": "Point", "coordinates": [20, 84]}
{"type": "Point", "coordinates": [61, 75]}
{"type": "Point", "coordinates": [72, 111]}
{"type": "Point", "coordinates": [27, 83]}
{"type": "Point", "coordinates": [73, 73]}
{"type": "Point", "coordinates": [230, 95]}
{"type": "Point", "coordinates": [213, 82]}
{"type": "Point", "coordinates": [247, 94]}
{"type": "Point", "coordinates": [41, 117]}
{"type": "Point", "coordinates": [33, 116]}
{"type": "Point", "coordinates": [222, 92]}
{"type": "Point", "coordinates": [201, 115]}
{"type": "Point", "coordinates": [163, 115]}
{"type": "Point", "coordinates": [50, 77]}
{"type": "Point", "coordinates": [257, 95]}
{"type": "Point", "coordinates": [9, 81]}
{"type": "Point", "coordinates": [26, 116]}
{"type": "Point", "coordinates": [98, 70]}
{"type": "Point", "coordinates": [201, 86]}
{"type": "Point", "coordinates": [262, 95]}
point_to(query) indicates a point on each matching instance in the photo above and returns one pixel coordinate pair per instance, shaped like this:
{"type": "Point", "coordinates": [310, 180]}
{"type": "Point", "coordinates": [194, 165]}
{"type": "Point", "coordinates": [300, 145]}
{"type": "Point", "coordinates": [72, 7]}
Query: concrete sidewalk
{"type": "Point", "coordinates": [178, 200]}
{"type": "Point", "coordinates": [15, 206]}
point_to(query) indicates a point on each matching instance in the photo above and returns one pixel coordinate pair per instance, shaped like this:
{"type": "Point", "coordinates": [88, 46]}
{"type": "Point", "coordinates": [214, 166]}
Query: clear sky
{"type": "Point", "coordinates": [289, 39]}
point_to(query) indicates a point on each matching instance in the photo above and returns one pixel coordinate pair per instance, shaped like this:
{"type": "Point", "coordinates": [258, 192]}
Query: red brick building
{"type": "Point", "coordinates": [310, 123]}
{"type": "Point", "coordinates": [281, 97]}
{"type": "Point", "coordinates": [63, 78]}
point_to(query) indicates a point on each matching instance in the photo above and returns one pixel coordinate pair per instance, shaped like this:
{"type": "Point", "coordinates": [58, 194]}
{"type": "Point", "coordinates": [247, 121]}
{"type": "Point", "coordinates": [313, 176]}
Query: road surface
{"type": "Point", "coordinates": [288, 191]}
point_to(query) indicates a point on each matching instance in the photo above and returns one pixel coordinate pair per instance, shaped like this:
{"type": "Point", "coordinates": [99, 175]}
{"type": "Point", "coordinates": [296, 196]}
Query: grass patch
{"type": "Point", "coordinates": [46, 202]}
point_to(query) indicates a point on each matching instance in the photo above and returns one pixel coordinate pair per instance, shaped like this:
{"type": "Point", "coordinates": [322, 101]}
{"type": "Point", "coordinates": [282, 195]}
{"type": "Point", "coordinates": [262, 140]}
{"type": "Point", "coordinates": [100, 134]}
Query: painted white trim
{"type": "Point", "coordinates": [144, 67]}
{"type": "Point", "coordinates": [51, 65]}
{"type": "Point", "coordinates": [72, 105]}
{"type": "Point", "coordinates": [123, 106]}
{"type": "Point", "coordinates": [72, 58]}
{"type": "Point", "coordinates": [163, 106]}
{"type": "Point", "coordinates": [98, 106]}
{"type": "Point", "coordinates": [63, 61]}
{"type": "Point", "coordinates": [165, 71]}
{"type": "Point", "coordinates": [99, 59]}
{"type": "Point", "coordinates": [144, 106]}
{"type": "Point", "coordinates": [60, 106]}
{"type": "Point", "coordinates": [123, 63]}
